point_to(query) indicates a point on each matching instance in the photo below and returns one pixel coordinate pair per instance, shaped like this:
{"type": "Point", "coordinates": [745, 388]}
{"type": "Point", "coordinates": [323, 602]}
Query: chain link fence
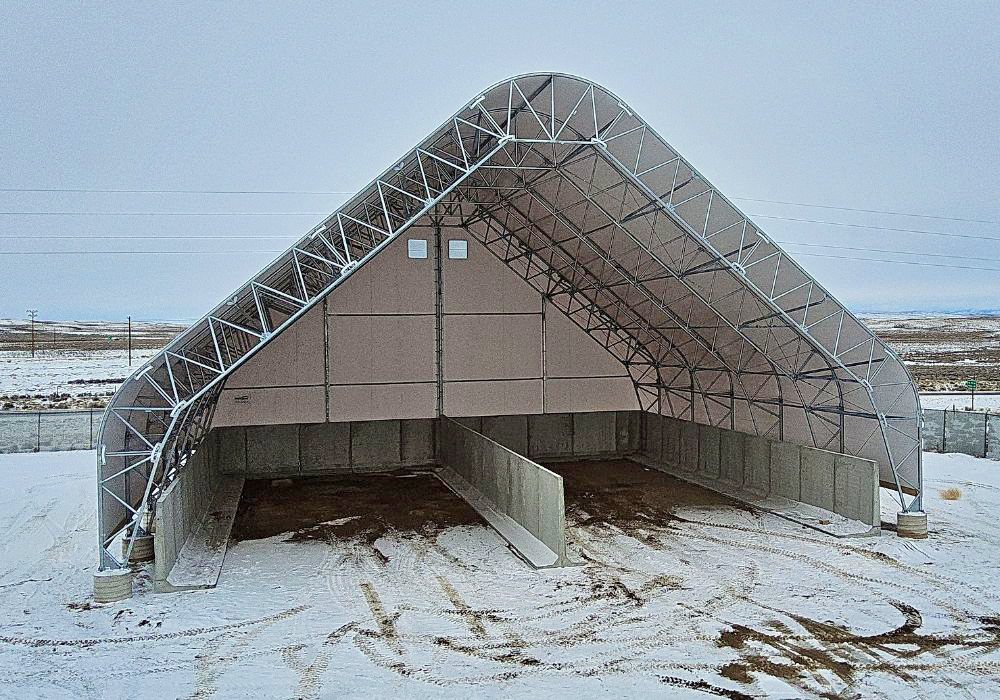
{"type": "Point", "coordinates": [49, 431]}
{"type": "Point", "coordinates": [976, 434]}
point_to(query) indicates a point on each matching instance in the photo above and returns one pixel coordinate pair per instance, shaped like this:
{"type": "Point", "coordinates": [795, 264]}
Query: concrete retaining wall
{"type": "Point", "coordinates": [274, 451]}
{"type": "Point", "coordinates": [515, 487]}
{"type": "Point", "coordinates": [183, 505]}
{"type": "Point", "coordinates": [836, 482]}
{"type": "Point", "coordinates": [600, 435]}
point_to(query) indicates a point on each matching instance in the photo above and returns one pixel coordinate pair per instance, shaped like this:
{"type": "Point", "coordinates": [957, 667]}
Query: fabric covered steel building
{"type": "Point", "coordinates": [544, 211]}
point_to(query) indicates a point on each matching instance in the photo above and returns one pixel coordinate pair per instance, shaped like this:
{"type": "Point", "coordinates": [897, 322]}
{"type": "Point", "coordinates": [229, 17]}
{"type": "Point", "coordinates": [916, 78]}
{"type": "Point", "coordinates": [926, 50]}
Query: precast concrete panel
{"type": "Point", "coordinates": [856, 493]}
{"type": "Point", "coordinates": [417, 441]}
{"type": "Point", "coordinates": [594, 434]}
{"type": "Point", "coordinates": [757, 464]}
{"type": "Point", "coordinates": [375, 444]}
{"type": "Point", "coordinates": [272, 450]}
{"type": "Point", "coordinates": [785, 470]}
{"type": "Point", "coordinates": [325, 447]}
{"type": "Point", "coordinates": [731, 457]}
{"type": "Point", "coordinates": [817, 478]}
{"type": "Point", "coordinates": [670, 449]}
{"type": "Point", "coordinates": [231, 449]}
{"type": "Point", "coordinates": [709, 438]}
{"type": "Point", "coordinates": [688, 447]}
{"type": "Point", "coordinates": [509, 431]}
{"type": "Point", "coordinates": [550, 435]}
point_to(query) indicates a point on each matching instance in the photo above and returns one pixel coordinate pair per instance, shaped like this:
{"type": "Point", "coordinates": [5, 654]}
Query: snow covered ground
{"type": "Point", "coordinates": [984, 402]}
{"type": "Point", "coordinates": [73, 372]}
{"type": "Point", "coordinates": [717, 602]}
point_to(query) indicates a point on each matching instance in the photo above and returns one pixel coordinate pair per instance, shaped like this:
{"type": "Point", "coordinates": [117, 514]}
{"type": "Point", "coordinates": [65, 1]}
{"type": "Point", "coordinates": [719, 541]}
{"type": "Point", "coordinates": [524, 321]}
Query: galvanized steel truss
{"type": "Point", "coordinates": [561, 181]}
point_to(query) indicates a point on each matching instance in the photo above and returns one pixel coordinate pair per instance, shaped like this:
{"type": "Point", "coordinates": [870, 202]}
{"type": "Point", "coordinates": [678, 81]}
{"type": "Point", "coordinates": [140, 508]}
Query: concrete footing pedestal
{"type": "Point", "coordinates": [112, 585]}
{"type": "Point", "coordinates": [142, 550]}
{"type": "Point", "coordinates": [913, 525]}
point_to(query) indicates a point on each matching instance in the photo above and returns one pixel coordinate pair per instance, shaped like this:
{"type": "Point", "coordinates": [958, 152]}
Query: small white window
{"type": "Point", "coordinates": [416, 248]}
{"type": "Point", "coordinates": [458, 249]}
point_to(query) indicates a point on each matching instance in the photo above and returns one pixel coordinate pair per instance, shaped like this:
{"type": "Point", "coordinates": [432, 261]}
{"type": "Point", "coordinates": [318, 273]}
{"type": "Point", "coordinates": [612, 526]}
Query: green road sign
{"type": "Point", "coordinates": [970, 384]}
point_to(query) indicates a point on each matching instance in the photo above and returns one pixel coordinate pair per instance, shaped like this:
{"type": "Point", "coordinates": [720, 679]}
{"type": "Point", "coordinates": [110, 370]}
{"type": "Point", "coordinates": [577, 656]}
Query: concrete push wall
{"type": "Point", "coordinates": [840, 483]}
{"type": "Point", "coordinates": [522, 500]}
{"type": "Point", "coordinates": [182, 506]}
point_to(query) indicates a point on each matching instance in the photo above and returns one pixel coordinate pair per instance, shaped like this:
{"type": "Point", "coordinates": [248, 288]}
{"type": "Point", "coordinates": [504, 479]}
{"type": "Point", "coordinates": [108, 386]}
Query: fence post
{"type": "Point", "coordinates": [986, 419]}
{"type": "Point", "coordinates": [38, 433]}
{"type": "Point", "coordinates": [944, 430]}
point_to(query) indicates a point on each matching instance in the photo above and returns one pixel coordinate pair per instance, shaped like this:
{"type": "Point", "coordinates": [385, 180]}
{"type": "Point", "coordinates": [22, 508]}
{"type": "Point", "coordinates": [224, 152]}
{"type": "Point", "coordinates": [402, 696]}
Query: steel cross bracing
{"type": "Point", "coordinates": [565, 185]}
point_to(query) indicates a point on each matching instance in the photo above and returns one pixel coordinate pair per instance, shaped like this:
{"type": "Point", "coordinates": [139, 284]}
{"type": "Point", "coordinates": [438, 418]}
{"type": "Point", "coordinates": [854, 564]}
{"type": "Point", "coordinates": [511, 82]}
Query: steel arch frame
{"type": "Point", "coordinates": [483, 170]}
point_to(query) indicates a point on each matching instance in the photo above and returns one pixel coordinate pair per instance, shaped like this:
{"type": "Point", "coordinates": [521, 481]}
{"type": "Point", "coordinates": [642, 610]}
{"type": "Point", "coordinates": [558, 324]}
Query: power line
{"type": "Point", "coordinates": [876, 228]}
{"type": "Point", "coordinates": [884, 250]}
{"type": "Point", "coordinates": [90, 190]}
{"type": "Point", "coordinates": [900, 262]}
{"type": "Point", "coordinates": [138, 252]}
{"type": "Point", "coordinates": [82, 190]}
{"type": "Point", "coordinates": [103, 237]}
{"type": "Point", "coordinates": [867, 211]}
{"type": "Point", "coordinates": [163, 213]}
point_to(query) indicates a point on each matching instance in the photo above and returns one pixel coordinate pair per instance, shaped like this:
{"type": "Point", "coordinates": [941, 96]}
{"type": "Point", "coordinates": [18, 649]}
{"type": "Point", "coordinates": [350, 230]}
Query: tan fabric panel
{"type": "Point", "coordinates": [570, 352]}
{"type": "Point", "coordinates": [596, 394]}
{"type": "Point", "coordinates": [293, 358]}
{"type": "Point", "coordinates": [370, 349]}
{"type": "Point", "coordinates": [483, 284]}
{"type": "Point", "coordinates": [389, 283]}
{"type": "Point", "coordinates": [382, 402]}
{"type": "Point", "coordinates": [493, 347]}
{"type": "Point", "coordinates": [270, 406]}
{"type": "Point", "coordinates": [493, 398]}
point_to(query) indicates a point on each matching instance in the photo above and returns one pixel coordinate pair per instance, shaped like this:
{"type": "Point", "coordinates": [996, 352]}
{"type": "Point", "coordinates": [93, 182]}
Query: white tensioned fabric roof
{"type": "Point", "coordinates": [564, 183]}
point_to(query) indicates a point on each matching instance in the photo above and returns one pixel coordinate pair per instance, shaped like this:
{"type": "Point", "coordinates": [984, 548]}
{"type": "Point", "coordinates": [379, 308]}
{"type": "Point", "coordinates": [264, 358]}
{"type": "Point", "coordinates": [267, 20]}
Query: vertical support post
{"type": "Point", "coordinates": [129, 341]}
{"type": "Point", "coordinates": [38, 433]}
{"type": "Point", "coordinates": [439, 316]}
{"type": "Point", "coordinates": [326, 358]}
{"type": "Point", "coordinates": [90, 444]}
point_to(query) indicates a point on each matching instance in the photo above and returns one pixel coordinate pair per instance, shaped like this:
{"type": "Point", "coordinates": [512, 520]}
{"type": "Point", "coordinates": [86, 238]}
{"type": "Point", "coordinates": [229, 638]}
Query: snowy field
{"type": "Point", "coordinates": [990, 402]}
{"type": "Point", "coordinates": [715, 602]}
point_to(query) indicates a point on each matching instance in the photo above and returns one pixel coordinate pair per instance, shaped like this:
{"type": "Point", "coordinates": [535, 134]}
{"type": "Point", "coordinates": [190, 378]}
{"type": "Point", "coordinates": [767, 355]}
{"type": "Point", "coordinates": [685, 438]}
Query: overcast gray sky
{"type": "Point", "coordinates": [885, 106]}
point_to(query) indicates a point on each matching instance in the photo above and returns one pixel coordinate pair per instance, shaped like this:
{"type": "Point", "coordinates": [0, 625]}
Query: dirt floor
{"type": "Point", "coordinates": [360, 509]}
{"type": "Point", "coordinates": [354, 509]}
{"type": "Point", "coordinates": [627, 495]}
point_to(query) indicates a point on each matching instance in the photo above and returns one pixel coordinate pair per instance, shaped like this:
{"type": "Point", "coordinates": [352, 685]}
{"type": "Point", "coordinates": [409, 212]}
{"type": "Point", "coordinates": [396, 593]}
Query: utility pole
{"type": "Point", "coordinates": [129, 341]}
{"type": "Point", "coordinates": [32, 313]}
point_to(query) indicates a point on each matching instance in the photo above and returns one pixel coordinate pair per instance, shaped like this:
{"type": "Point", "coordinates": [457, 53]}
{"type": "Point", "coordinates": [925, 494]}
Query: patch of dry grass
{"type": "Point", "coordinates": [951, 494]}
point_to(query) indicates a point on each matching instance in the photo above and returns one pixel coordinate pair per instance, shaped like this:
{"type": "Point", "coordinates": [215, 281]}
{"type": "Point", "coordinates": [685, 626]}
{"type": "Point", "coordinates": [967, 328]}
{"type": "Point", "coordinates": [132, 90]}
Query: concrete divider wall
{"type": "Point", "coordinates": [183, 505]}
{"type": "Point", "coordinates": [840, 483]}
{"type": "Point", "coordinates": [514, 486]}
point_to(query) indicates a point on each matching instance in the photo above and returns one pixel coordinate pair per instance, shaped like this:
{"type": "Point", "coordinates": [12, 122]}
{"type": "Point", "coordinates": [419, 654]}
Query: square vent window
{"type": "Point", "coordinates": [458, 249]}
{"type": "Point", "coordinates": [416, 248]}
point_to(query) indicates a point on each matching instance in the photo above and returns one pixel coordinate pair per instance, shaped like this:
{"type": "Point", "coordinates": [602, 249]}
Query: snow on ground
{"type": "Point", "coordinates": [53, 371]}
{"type": "Point", "coordinates": [960, 401]}
{"type": "Point", "coordinates": [720, 602]}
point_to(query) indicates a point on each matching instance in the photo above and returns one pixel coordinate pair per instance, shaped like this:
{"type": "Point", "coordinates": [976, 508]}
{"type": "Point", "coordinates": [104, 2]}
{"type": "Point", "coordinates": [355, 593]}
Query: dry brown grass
{"type": "Point", "coordinates": [951, 494]}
